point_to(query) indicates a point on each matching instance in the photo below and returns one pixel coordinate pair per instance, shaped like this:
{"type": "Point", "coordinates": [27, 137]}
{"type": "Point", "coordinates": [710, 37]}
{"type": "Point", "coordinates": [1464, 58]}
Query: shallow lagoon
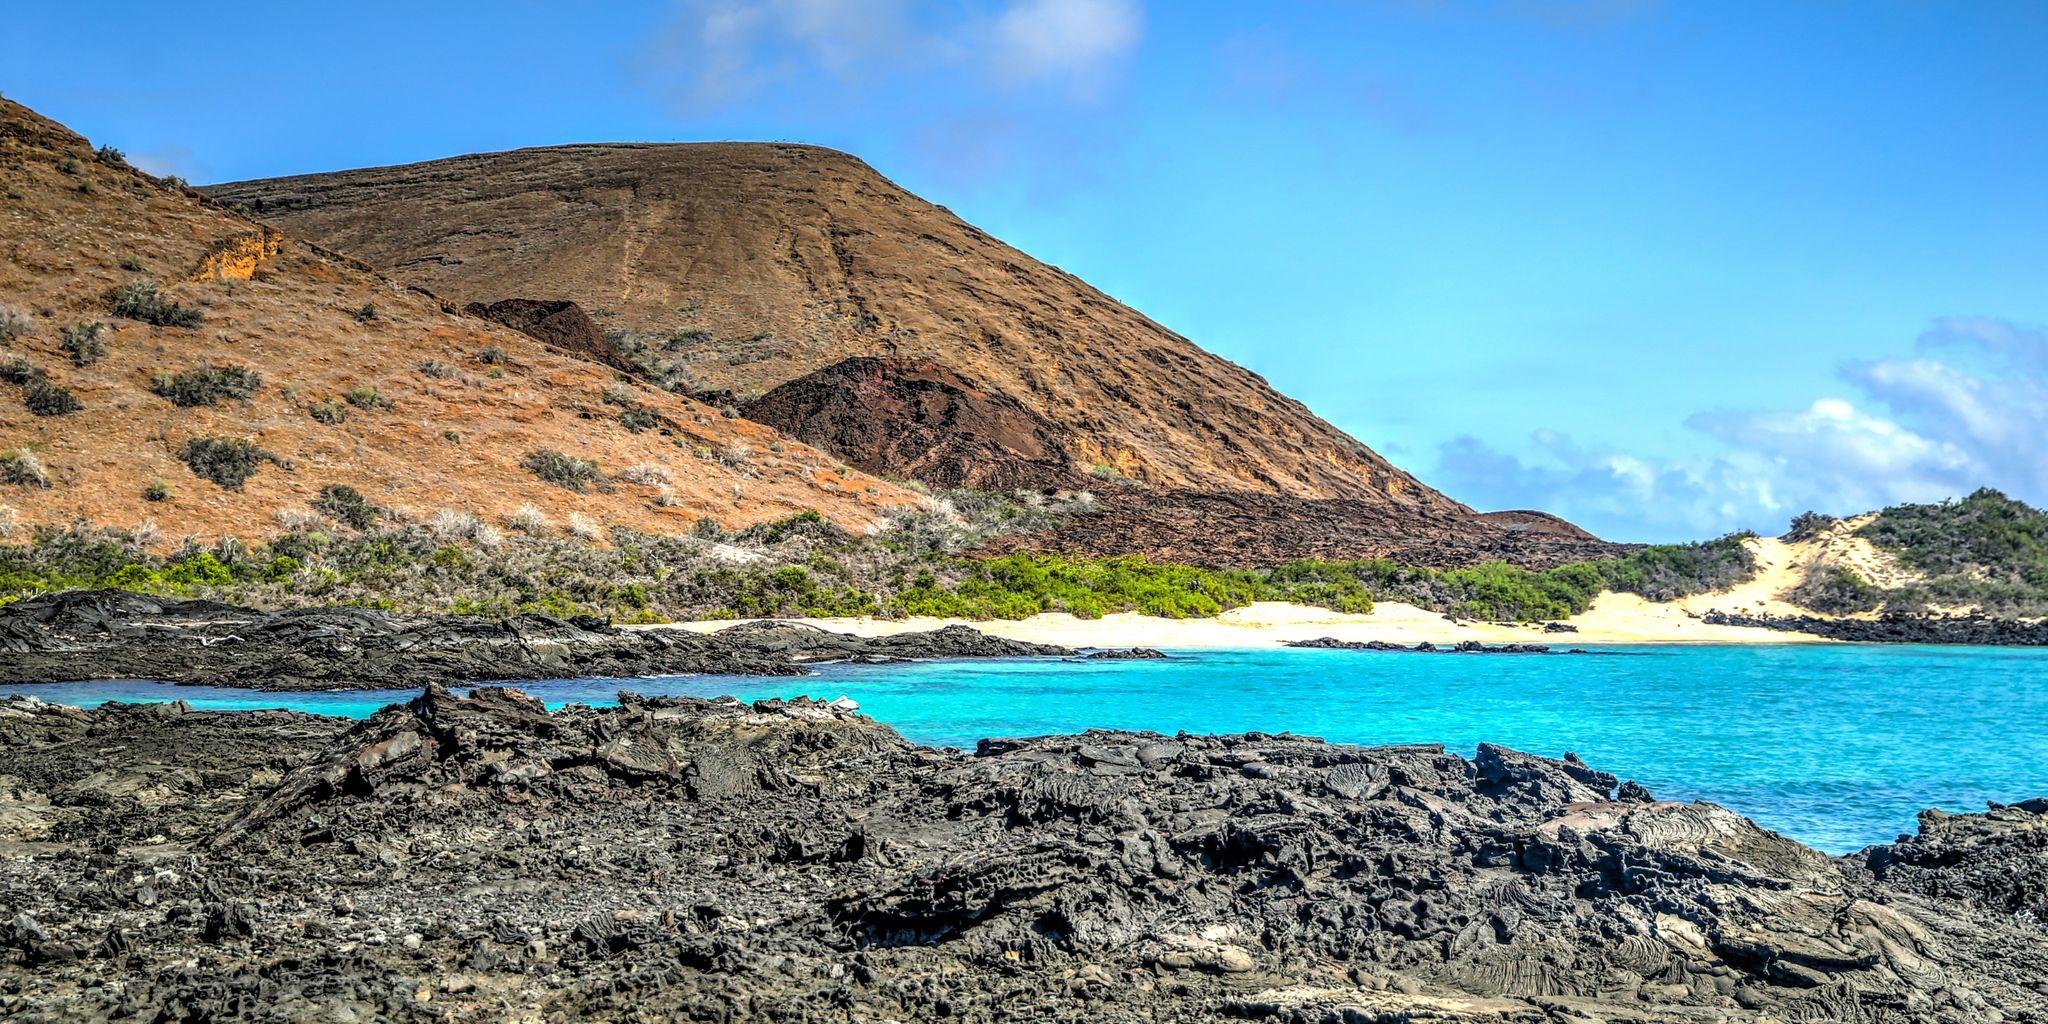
{"type": "Point", "coordinates": [1838, 746]}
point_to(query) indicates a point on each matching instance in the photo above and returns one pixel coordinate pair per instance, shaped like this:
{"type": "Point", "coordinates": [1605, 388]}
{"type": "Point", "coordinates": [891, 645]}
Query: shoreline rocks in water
{"type": "Point", "coordinates": [1327, 643]}
{"type": "Point", "coordinates": [1972, 630]}
{"type": "Point", "coordinates": [480, 858]}
{"type": "Point", "coordinates": [111, 634]}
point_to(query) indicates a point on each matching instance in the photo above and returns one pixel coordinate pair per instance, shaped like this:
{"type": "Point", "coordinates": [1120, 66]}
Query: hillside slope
{"type": "Point", "coordinates": [363, 382]}
{"type": "Point", "coordinates": [751, 265]}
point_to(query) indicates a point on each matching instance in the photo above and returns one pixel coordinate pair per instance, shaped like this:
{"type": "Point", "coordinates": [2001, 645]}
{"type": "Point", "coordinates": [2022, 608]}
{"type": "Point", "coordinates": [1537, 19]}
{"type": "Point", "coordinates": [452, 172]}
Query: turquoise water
{"type": "Point", "coordinates": [1838, 746]}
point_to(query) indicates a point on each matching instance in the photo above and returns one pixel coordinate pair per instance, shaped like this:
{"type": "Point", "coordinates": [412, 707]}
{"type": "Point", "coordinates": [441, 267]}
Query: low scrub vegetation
{"type": "Point", "coordinates": [1987, 551]}
{"type": "Point", "coordinates": [206, 385]}
{"type": "Point", "coordinates": [1836, 590]}
{"type": "Point", "coordinates": [20, 467]}
{"type": "Point", "coordinates": [347, 506]}
{"type": "Point", "coordinates": [227, 461]}
{"type": "Point", "coordinates": [82, 342]}
{"type": "Point", "coordinates": [564, 471]}
{"type": "Point", "coordinates": [366, 397]}
{"type": "Point", "coordinates": [328, 411]}
{"type": "Point", "coordinates": [20, 372]}
{"type": "Point", "coordinates": [46, 399]}
{"type": "Point", "coordinates": [799, 566]}
{"type": "Point", "coordinates": [141, 300]}
{"type": "Point", "coordinates": [14, 324]}
{"type": "Point", "coordinates": [634, 348]}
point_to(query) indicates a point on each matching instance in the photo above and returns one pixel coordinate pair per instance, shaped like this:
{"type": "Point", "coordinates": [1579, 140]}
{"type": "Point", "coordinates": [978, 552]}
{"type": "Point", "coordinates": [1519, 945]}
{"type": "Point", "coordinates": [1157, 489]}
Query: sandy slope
{"type": "Point", "coordinates": [1613, 619]}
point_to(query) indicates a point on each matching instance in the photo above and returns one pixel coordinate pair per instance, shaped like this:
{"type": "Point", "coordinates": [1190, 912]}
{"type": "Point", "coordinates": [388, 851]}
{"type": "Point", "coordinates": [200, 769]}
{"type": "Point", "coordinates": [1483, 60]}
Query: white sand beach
{"type": "Point", "coordinates": [1613, 619]}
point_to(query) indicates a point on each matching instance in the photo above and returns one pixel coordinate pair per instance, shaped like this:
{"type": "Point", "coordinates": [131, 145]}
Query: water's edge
{"type": "Point", "coordinates": [1838, 746]}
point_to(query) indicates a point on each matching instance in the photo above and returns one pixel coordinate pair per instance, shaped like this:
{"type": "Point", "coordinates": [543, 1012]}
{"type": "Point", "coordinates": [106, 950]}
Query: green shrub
{"type": "Point", "coordinates": [1986, 550]}
{"type": "Point", "coordinates": [82, 342]}
{"type": "Point", "coordinates": [227, 461]}
{"type": "Point", "coordinates": [367, 313]}
{"type": "Point", "coordinates": [1836, 590]}
{"type": "Point", "coordinates": [491, 356]}
{"type": "Point", "coordinates": [20, 466]}
{"type": "Point", "coordinates": [20, 372]}
{"type": "Point", "coordinates": [565, 471]}
{"type": "Point", "coordinates": [346, 505]}
{"type": "Point", "coordinates": [46, 399]}
{"type": "Point", "coordinates": [1809, 524]}
{"type": "Point", "coordinates": [328, 411]}
{"type": "Point", "coordinates": [158, 489]}
{"type": "Point", "coordinates": [206, 385]}
{"type": "Point", "coordinates": [366, 397]}
{"type": "Point", "coordinates": [200, 570]}
{"type": "Point", "coordinates": [140, 300]}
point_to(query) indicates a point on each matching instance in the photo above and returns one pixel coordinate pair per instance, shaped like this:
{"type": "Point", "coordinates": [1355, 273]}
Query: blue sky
{"type": "Point", "coordinates": [1668, 269]}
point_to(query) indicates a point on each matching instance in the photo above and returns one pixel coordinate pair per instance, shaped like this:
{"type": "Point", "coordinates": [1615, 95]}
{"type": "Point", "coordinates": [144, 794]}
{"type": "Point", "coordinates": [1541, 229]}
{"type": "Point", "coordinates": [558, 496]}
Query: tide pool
{"type": "Point", "coordinates": [1838, 746]}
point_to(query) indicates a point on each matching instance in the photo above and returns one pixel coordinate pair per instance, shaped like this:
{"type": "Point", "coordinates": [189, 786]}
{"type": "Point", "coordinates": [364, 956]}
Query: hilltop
{"type": "Point", "coordinates": [747, 266]}
{"type": "Point", "coordinates": [165, 359]}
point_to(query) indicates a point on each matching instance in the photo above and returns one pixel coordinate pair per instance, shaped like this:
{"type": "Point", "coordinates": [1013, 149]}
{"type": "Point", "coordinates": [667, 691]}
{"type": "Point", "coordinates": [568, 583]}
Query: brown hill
{"type": "Point", "coordinates": [362, 381]}
{"type": "Point", "coordinates": [756, 264]}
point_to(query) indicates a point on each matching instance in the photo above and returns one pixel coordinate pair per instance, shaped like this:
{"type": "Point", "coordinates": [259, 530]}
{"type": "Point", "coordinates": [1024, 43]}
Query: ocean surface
{"type": "Point", "coordinates": [1838, 746]}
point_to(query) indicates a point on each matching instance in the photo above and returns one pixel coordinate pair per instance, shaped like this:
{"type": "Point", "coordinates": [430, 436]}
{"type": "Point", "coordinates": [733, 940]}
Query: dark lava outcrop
{"type": "Point", "coordinates": [1326, 643]}
{"type": "Point", "coordinates": [560, 324]}
{"type": "Point", "coordinates": [676, 859]}
{"type": "Point", "coordinates": [113, 634]}
{"type": "Point", "coordinates": [914, 418]}
{"type": "Point", "coordinates": [1902, 628]}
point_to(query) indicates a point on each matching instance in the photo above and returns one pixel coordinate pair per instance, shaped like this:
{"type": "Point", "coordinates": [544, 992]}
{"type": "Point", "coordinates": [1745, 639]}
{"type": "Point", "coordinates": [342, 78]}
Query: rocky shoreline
{"type": "Point", "coordinates": [1326, 643]}
{"type": "Point", "coordinates": [1971, 630]}
{"type": "Point", "coordinates": [481, 858]}
{"type": "Point", "coordinates": [112, 634]}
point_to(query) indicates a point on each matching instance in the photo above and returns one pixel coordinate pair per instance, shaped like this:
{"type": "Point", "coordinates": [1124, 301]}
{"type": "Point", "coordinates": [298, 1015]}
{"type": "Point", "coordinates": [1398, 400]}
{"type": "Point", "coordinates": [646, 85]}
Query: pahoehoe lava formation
{"type": "Point", "coordinates": [680, 859]}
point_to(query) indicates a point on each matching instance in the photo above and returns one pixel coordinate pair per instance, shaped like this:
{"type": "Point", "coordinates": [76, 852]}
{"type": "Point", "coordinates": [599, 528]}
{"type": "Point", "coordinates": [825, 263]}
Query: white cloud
{"type": "Point", "coordinates": [1968, 410]}
{"type": "Point", "coordinates": [1071, 39]}
{"type": "Point", "coordinates": [715, 52]}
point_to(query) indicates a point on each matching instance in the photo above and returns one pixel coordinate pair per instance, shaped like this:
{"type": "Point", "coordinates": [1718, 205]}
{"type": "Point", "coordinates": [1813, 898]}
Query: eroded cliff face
{"type": "Point", "coordinates": [236, 257]}
{"type": "Point", "coordinates": [482, 858]}
{"type": "Point", "coordinates": [754, 265]}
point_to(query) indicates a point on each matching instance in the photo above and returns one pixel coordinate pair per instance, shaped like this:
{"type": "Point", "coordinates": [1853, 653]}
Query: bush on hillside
{"type": "Point", "coordinates": [1986, 550]}
{"type": "Point", "coordinates": [82, 342]}
{"type": "Point", "coordinates": [1836, 590]}
{"type": "Point", "coordinates": [328, 411]}
{"type": "Point", "coordinates": [1809, 525]}
{"type": "Point", "coordinates": [346, 505]}
{"type": "Point", "coordinates": [227, 461]}
{"type": "Point", "coordinates": [46, 399]}
{"type": "Point", "coordinates": [366, 397]}
{"type": "Point", "coordinates": [141, 300]}
{"type": "Point", "coordinates": [20, 467]}
{"type": "Point", "coordinates": [20, 372]}
{"type": "Point", "coordinates": [206, 385]}
{"type": "Point", "coordinates": [562, 470]}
